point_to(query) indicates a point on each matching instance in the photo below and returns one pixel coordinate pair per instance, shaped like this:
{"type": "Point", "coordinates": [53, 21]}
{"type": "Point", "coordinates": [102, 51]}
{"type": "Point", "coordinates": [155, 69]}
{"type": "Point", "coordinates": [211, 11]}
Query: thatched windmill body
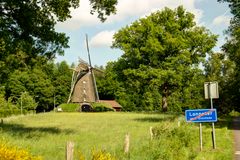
{"type": "Point", "coordinates": [83, 86]}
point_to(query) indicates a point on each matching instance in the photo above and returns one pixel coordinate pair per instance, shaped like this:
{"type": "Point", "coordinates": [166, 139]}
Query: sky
{"type": "Point", "coordinates": [208, 13]}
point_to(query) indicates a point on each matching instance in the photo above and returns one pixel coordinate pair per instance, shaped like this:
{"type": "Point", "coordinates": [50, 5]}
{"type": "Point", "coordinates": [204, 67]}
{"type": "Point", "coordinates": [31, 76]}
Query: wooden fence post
{"type": "Point", "coordinates": [151, 133]}
{"type": "Point", "coordinates": [69, 151]}
{"type": "Point", "coordinates": [126, 143]}
{"type": "Point", "coordinates": [179, 123]}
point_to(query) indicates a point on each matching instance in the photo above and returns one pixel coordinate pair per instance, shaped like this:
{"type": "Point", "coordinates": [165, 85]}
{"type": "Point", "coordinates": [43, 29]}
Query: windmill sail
{"type": "Point", "coordinates": [93, 76]}
{"type": "Point", "coordinates": [83, 86]}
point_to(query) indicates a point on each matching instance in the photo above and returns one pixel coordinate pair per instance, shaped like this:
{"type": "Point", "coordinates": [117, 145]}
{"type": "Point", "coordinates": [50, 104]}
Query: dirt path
{"type": "Point", "coordinates": [236, 132]}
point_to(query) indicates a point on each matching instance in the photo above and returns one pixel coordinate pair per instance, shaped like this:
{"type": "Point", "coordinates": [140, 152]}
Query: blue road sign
{"type": "Point", "coordinates": [201, 115]}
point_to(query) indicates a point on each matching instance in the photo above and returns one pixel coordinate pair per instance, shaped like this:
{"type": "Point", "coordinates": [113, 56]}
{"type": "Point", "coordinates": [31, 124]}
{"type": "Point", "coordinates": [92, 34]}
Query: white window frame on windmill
{"type": "Point", "coordinates": [84, 91]}
{"type": "Point", "coordinates": [211, 90]}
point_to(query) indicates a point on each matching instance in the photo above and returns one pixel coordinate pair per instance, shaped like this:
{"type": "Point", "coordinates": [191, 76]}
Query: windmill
{"type": "Point", "coordinates": [83, 86]}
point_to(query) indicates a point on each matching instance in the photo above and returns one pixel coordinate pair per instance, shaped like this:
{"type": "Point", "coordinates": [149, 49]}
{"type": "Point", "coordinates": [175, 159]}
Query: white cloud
{"type": "Point", "coordinates": [125, 9]}
{"type": "Point", "coordinates": [80, 17]}
{"type": "Point", "coordinates": [103, 38]}
{"type": "Point", "coordinates": [141, 8]}
{"type": "Point", "coordinates": [221, 20]}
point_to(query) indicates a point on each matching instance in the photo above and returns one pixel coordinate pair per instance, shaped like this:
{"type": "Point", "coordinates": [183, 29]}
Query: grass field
{"type": "Point", "coordinates": [46, 135]}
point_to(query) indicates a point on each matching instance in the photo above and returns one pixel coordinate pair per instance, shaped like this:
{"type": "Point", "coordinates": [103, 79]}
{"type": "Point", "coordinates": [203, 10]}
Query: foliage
{"type": "Point", "coordinates": [98, 155]}
{"type": "Point", "coordinates": [101, 107]}
{"type": "Point", "coordinates": [26, 102]}
{"type": "Point", "coordinates": [162, 53]}
{"type": "Point", "coordinates": [181, 146]}
{"type": "Point", "coordinates": [36, 82]}
{"type": "Point", "coordinates": [29, 44]}
{"type": "Point", "coordinates": [47, 84]}
{"type": "Point", "coordinates": [106, 132]}
{"type": "Point", "coordinates": [69, 107]}
{"type": "Point", "coordinates": [221, 69]}
{"type": "Point", "coordinates": [3, 102]}
{"type": "Point", "coordinates": [232, 50]}
{"type": "Point", "coordinates": [8, 152]}
{"type": "Point", "coordinates": [181, 142]}
{"type": "Point", "coordinates": [234, 113]}
{"type": "Point", "coordinates": [101, 155]}
{"type": "Point", "coordinates": [61, 78]}
{"type": "Point", "coordinates": [103, 8]}
{"type": "Point", "coordinates": [106, 83]}
{"type": "Point", "coordinates": [7, 108]}
{"type": "Point", "coordinates": [10, 112]}
{"type": "Point", "coordinates": [28, 27]}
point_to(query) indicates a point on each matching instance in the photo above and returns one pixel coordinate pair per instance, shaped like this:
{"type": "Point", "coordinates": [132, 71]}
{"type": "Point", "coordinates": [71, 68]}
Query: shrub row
{"type": "Point", "coordinates": [101, 107]}
{"type": "Point", "coordinates": [96, 107]}
{"type": "Point", "coordinates": [9, 112]}
{"type": "Point", "coordinates": [174, 142]}
{"type": "Point", "coordinates": [69, 107]}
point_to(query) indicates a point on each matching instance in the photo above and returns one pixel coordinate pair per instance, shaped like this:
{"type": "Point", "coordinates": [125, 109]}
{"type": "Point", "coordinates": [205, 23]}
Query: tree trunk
{"type": "Point", "coordinates": [164, 98]}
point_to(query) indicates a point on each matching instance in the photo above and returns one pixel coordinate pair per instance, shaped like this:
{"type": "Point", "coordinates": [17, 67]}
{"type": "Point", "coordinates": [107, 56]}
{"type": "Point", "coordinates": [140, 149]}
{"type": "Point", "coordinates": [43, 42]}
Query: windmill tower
{"type": "Point", "coordinates": [83, 86]}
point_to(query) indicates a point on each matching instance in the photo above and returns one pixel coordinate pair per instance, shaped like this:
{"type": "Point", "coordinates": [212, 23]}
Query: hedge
{"type": "Point", "coordinates": [69, 107]}
{"type": "Point", "coordinates": [9, 112]}
{"type": "Point", "coordinates": [101, 107]}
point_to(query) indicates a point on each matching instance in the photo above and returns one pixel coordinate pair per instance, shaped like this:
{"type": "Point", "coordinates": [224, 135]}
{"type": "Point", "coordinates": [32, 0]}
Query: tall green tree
{"type": "Point", "coordinates": [26, 102]}
{"type": "Point", "coordinates": [29, 43]}
{"type": "Point", "coordinates": [232, 49]}
{"type": "Point", "coordinates": [220, 68]}
{"type": "Point", "coordinates": [36, 83]}
{"type": "Point", "coordinates": [161, 53]}
{"type": "Point", "coordinates": [29, 24]}
{"type": "Point", "coordinates": [62, 82]}
{"type": "Point", "coordinates": [106, 83]}
{"type": "Point", "coordinates": [27, 30]}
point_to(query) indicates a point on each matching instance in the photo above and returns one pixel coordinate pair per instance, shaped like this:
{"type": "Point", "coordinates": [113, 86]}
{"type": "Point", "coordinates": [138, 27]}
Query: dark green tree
{"type": "Point", "coordinates": [106, 83]}
{"type": "Point", "coordinates": [62, 82]}
{"type": "Point", "coordinates": [220, 68]}
{"type": "Point", "coordinates": [27, 30]}
{"type": "Point", "coordinates": [36, 83]}
{"type": "Point", "coordinates": [232, 49]}
{"type": "Point", "coordinates": [26, 102]}
{"type": "Point", "coordinates": [161, 54]}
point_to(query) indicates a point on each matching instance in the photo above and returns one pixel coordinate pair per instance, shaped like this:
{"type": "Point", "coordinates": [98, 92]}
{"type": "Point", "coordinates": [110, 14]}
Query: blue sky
{"type": "Point", "coordinates": [209, 13]}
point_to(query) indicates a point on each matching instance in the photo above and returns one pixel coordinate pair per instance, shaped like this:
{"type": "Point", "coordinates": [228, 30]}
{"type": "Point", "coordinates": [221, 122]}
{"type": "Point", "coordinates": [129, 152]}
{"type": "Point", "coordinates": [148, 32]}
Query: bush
{"type": "Point", "coordinates": [98, 155]}
{"type": "Point", "coordinates": [69, 107]}
{"type": "Point", "coordinates": [14, 153]}
{"type": "Point", "coordinates": [9, 112]}
{"type": "Point", "coordinates": [102, 155]}
{"type": "Point", "coordinates": [234, 113]}
{"type": "Point", "coordinates": [26, 101]}
{"type": "Point", "coordinates": [181, 145]}
{"type": "Point", "coordinates": [101, 107]}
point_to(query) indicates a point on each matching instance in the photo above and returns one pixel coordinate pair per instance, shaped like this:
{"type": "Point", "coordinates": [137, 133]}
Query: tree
{"type": "Point", "coordinates": [232, 50]}
{"type": "Point", "coordinates": [106, 83]}
{"type": "Point", "coordinates": [62, 77]}
{"type": "Point", "coordinates": [232, 46]}
{"type": "Point", "coordinates": [220, 68]}
{"type": "Point", "coordinates": [26, 102]}
{"type": "Point", "coordinates": [36, 83]}
{"type": "Point", "coordinates": [27, 30]}
{"type": "Point", "coordinates": [29, 24]}
{"type": "Point", "coordinates": [161, 53]}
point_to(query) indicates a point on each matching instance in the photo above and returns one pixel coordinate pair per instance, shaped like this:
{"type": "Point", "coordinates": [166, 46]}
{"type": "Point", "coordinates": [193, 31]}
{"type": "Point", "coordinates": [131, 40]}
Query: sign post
{"type": "Point", "coordinates": [200, 135]}
{"type": "Point", "coordinates": [211, 91]}
{"type": "Point", "coordinates": [201, 115]}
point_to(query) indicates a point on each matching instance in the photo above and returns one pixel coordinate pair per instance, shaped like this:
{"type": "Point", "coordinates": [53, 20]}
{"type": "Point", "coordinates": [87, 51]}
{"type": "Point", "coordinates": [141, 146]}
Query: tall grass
{"type": "Point", "coordinates": [46, 135]}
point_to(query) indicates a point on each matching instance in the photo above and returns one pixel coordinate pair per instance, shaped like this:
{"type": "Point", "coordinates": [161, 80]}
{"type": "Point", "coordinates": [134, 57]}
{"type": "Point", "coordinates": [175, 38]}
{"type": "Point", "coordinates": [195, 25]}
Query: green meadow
{"type": "Point", "coordinates": [46, 135]}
